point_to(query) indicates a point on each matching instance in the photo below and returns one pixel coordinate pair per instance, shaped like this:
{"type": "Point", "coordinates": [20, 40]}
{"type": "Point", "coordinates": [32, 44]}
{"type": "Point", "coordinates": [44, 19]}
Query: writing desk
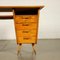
{"type": "Point", "coordinates": [26, 23]}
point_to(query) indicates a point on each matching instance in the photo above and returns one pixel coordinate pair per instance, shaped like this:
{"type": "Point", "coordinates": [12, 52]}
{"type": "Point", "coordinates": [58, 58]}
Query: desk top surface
{"type": "Point", "coordinates": [38, 7]}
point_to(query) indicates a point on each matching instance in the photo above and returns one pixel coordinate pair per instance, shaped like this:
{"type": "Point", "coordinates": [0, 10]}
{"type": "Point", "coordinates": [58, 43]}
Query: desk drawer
{"type": "Point", "coordinates": [26, 33]}
{"type": "Point", "coordinates": [25, 18]}
{"type": "Point", "coordinates": [26, 39]}
{"type": "Point", "coordinates": [26, 26]}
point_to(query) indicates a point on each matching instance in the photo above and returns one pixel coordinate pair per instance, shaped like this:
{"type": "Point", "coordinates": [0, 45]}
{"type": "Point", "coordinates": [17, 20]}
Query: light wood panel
{"type": "Point", "coordinates": [26, 29]}
{"type": "Point", "coordinates": [22, 33]}
{"type": "Point", "coordinates": [26, 40]}
{"type": "Point", "coordinates": [26, 18]}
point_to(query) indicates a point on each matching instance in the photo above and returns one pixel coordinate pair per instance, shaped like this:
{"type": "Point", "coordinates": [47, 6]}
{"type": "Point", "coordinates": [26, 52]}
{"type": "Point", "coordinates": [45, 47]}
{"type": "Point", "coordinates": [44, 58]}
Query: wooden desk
{"type": "Point", "coordinates": [25, 21]}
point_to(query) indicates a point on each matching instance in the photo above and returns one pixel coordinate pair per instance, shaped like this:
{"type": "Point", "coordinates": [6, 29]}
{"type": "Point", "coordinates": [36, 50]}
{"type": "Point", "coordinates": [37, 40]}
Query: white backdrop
{"type": "Point", "coordinates": [49, 21]}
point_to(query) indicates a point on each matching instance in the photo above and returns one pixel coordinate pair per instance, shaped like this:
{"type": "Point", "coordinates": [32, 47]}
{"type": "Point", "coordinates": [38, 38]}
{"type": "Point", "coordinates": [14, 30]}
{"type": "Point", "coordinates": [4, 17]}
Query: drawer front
{"type": "Point", "coordinates": [26, 39]}
{"type": "Point", "coordinates": [26, 26]}
{"type": "Point", "coordinates": [26, 33]}
{"type": "Point", "coordinates": [25, 18]}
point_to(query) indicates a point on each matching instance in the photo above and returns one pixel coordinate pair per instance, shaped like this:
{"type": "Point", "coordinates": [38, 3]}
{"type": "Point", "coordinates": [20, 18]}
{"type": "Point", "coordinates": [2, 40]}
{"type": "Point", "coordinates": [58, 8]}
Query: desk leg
{"type": "Point", "coordinates": [33, 48]}
{"type": "Point", "coordinates": [19, 48]}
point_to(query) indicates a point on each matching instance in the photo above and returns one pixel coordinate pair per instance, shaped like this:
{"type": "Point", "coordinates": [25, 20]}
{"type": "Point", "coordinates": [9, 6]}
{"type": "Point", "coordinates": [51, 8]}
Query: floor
{"type": "Point", "coordinates": [45, 49]}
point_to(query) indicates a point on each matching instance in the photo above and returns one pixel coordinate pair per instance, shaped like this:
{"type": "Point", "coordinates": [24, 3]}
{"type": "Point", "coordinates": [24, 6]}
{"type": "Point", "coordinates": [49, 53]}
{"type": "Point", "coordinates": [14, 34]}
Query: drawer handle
{"type": "Point", "coordinates": [26, 18]}
{"type": "Point", "coordinates": [26, 38]}
{"type": "Point", "coordinates": [25, 24]}
{"type": "Point", "coordinates": [25, 31]}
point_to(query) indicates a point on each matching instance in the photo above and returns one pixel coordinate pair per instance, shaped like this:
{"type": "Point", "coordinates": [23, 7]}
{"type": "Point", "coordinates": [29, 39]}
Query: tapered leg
{"type": "Point", "coordinates": [19, 48]}
{"type": "Point", "coordinates": [33, 48]}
